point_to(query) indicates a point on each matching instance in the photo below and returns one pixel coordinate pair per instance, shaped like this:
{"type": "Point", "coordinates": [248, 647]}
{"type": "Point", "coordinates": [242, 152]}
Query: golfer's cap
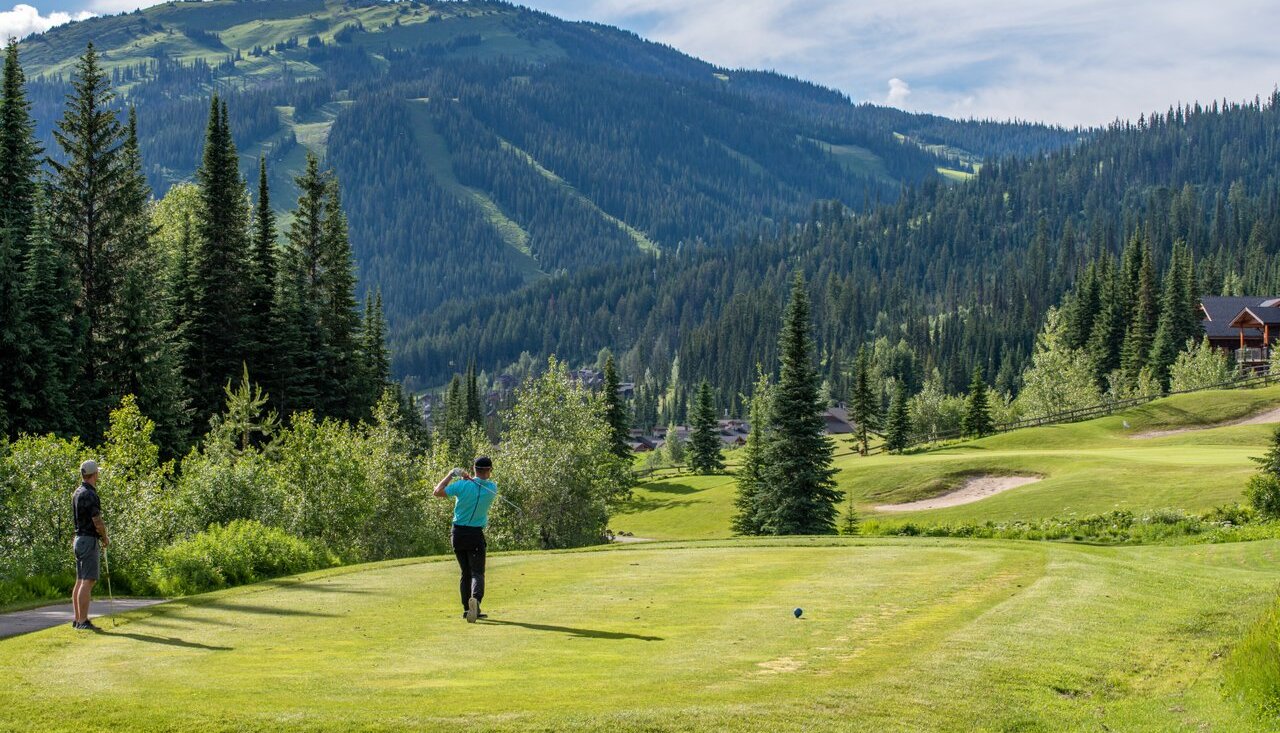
{"type": "Point", "coordinates": [88, 468]}
{"type": "Point", "coordinates": [484, 462]}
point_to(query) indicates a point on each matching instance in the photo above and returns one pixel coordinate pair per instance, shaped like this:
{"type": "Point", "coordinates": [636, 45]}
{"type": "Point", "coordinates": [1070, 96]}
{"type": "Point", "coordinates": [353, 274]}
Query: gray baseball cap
{"type": "Point", "coordinates": [89, 467]}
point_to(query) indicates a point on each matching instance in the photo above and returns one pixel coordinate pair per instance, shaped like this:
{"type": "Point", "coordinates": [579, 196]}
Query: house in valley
{"type": "Point", "coordinates": [1246, 326]}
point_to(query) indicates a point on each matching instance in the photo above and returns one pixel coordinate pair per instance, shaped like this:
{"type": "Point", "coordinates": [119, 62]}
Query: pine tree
{"type": "Point", "coordinates": [615, 411]}
{"type": "Point", "coordinates": [220, 317]}
{"type": "Point", "coordinates": [49, 294]}
{"type": "Point", "coordinates": [705, 447]}
{"type": "Point", "coordinates": [1109, 326]}
{"type": "Point", "coordinates": [373, 347]}
{"type": "Point", "coordinates": [454, 425]}
{"type": "Point", "coordinates": [139, 358]}
{"type": "Point", "coordinates": [898, 431]}
{"type": "Point", "coordinates": [802, 496]}
{"type": "Point", "coordinates": [260, 286]}
{"type": "Point", "coordinates": [977, 416]}
{"type": "Point", "coordinates": [299, 354]}
{"type": "Point", "coordinates": [475, 413]}
{"type": "Point", "coordinates": [338, 319]}
{"type": "Point", "coordinates": [746, 518]}
{"type": "Point", "coordinates": [19, 166]}
{"type": "Point", "coordinates": [865, 400]}
{"type": "Point", "coordinates": [1171, 329]}
{"type": "Point", "coordinates": [84, 192]}
{"type": "Point", "coordinates": [1141, 320]}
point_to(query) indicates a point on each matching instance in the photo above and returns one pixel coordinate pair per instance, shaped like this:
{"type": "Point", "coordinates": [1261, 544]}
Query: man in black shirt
{"type": "Point", "coordinates": [91, 536]}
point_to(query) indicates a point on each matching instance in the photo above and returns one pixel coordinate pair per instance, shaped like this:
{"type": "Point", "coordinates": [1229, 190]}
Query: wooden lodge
{"type": "Point", "coordinates": [1246, 326]}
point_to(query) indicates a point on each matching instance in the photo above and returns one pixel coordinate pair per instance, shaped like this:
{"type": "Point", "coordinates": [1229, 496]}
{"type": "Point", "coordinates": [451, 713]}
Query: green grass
{"type": "Point", "coordinates": [681, 507]}
{"type": "Point", "coordinates": [1087, 468]}
{"type": "Point", "coordinates": [897, 635]}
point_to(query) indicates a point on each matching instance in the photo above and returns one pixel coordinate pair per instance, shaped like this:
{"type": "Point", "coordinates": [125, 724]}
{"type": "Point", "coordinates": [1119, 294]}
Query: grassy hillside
{"type": "Point", "coordinates": [896, 635]}
{"type": "Point", "coordinates": [1087, 468]}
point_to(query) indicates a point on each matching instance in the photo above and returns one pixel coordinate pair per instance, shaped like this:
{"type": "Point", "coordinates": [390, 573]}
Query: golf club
{"type": "Point", "coordinates": [111, 599]}
{"type": "Point", "coordinates": [458, 472]}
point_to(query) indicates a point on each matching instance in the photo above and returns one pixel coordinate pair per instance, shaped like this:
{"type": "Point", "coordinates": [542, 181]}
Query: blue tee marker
{"type": "Point", "coordinates": [798, 612]}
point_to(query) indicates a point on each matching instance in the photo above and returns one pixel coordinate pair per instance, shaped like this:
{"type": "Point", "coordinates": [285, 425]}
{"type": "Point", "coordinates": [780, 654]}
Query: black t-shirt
{"type": "Point", "coordinates": [84, 507]}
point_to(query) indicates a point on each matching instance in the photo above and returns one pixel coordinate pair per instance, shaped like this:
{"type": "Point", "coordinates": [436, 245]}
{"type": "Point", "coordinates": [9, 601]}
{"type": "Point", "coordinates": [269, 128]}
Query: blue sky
{"type": "Point", "coordinates": [1063, 61]}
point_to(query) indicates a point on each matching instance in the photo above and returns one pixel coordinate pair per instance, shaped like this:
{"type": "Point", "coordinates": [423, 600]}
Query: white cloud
{"type": "Point", "coordinates": [24, 20]}
{"type": "Point", "coordinates": [1070, 61]}
{"type": "Point", "coordinates": [899, 90]}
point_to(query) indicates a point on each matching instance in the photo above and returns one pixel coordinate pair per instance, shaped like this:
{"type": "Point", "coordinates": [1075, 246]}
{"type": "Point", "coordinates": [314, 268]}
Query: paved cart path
{"type": "Point", "coordinates": [45, 617]}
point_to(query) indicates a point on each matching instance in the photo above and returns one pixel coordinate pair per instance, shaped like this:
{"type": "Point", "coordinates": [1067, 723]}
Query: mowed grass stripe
{"type": "Point", "coordinates": [923, 634]}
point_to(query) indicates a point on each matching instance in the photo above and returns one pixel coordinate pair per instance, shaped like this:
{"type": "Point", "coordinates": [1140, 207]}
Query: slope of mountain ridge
{"type": "Point", "coordinates": [650, 149]}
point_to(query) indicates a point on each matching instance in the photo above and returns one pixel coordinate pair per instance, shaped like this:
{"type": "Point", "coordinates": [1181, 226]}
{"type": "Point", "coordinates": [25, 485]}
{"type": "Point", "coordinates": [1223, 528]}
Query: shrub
{"type": "Point", "coordinates": [1263, 493]}
{"type": "Point", "coordinates": [241, 552]}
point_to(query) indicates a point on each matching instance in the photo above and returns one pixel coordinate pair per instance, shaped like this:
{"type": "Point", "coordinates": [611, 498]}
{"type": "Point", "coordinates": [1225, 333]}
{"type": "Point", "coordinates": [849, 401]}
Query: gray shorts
{"type": "Point", "coordinates": [87, 552]}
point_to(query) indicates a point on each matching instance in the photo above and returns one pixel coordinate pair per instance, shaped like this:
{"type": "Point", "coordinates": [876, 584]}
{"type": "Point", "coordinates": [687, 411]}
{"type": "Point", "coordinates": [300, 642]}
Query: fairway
{"type": "Point", "coordinates": [897, 634]}
{"type": "Point", "coordinates": [1086, 468]}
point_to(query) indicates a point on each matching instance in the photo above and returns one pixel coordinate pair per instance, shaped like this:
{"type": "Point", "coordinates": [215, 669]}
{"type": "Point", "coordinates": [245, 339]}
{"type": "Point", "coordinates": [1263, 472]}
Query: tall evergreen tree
{"type": "Point", "coordinates": [216, 334]}
{"type": "Point", "coordinates": [615, 411]}
{"type": "Point", "coordinates": [705, 447]}
{"type": "Point", "coordinates": [260, 286]}
{"type": "Point", "coordinates": [298, 353]}
{"type": "Point", "coordinates": [1141, 321]}
{"type": "Point", "coordinates": [865, 404]}
{"type": "Point", "coordinates": [337, 316]}
{"type": "Point", "coordinates": [475, 412]}
{"type": "Point", "coordinates": [977, 415]}
{"type": "Point", "coordinates": [1109, 326]}
{"type": "Point", "coordinates": [87, 223]}
{"type": "Point", "coordinates": [139, 358]}
{"type": "Point", "coordinates": [49, 293]}
{"type": "Point", "coordinates": [746, 517]}
{"type": "Point", "coordinates": [898, 430]}
{"type": "Point", "coordinates": [802, 496]}
{"type": "Point", "coordinates": [1171, 332]}
{"type": "Point", "coordinates": [19, 164]}
{"type": "Point", "coordinates": [373, 347]}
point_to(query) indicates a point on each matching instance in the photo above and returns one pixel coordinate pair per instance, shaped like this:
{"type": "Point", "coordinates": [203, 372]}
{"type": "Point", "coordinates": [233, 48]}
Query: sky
{"type": "Point", "coordinates": [1069, 62]}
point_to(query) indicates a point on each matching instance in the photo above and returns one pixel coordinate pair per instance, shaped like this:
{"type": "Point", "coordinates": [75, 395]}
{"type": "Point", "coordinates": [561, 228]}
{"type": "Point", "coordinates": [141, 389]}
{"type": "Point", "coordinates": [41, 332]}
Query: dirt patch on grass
{"type": "Point", "coordinates": [1262, 418]}
{"type": "Point", "coordinates": [973, 489]}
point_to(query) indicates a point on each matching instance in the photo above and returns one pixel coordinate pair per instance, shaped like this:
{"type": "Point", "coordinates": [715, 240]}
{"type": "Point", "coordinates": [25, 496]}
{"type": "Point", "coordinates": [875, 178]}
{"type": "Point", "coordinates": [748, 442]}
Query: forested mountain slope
{"type": "Point", "coordinates": [947, 277]}
{"type": "Point", "coordinates": [479, 137]}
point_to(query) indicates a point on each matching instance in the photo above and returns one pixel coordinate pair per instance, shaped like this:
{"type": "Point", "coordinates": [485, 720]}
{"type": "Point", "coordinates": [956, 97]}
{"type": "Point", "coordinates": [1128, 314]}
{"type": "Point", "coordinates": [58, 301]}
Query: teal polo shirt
{"type": "Point", "coordinates": [471, 501]}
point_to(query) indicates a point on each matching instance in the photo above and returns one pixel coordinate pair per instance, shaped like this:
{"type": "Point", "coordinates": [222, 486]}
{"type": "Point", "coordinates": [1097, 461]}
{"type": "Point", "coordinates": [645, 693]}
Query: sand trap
{"type": "Point", "coordinates": [974, 489]}
{"type": "Point", "coordinates": [1262, 418]}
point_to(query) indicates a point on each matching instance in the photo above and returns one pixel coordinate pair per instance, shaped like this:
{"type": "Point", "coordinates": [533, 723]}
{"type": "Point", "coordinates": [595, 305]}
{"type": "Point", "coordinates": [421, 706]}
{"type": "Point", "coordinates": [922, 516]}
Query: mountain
{"type": "Point", "coordinates": [491, 151]}
{"type": "Point", "coordinates": [946, 277]}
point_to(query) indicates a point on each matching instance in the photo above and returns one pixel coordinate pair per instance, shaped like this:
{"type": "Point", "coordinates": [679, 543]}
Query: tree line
{"type": "Point", "coordinates": [107, 293]}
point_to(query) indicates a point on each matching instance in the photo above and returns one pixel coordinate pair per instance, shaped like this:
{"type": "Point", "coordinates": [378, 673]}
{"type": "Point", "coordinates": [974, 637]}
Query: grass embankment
{"type": "Point", "coordinates": [897, 634]}
{"type": "Point", "coordinates": [1089, 468]}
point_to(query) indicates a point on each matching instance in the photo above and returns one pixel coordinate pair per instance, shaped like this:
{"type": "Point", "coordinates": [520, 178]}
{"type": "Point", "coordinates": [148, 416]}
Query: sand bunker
{"type": "Point", "coordinates": [974, 489]}
{"type": "Point", "coordinates": [1262, 418]}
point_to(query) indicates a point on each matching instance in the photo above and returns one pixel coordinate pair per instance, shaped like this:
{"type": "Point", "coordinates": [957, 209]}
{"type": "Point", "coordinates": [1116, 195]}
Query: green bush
{"type": "Point", "coordinates": [222, 556]}
{"type": "Point", "coordinates": [1263, 493]}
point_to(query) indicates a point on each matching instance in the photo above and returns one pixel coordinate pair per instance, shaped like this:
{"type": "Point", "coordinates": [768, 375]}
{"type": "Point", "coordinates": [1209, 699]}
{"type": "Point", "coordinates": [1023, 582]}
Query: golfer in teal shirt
{"type": "Point", "coordinates": [472, 497]}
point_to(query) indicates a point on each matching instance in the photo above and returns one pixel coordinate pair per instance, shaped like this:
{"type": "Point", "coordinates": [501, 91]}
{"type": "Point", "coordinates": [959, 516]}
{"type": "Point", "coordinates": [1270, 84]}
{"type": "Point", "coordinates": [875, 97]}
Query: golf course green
{"type": "Point", "coordinates": [697, 632]}
{"type": "Point", "coordinates": [896, 635]}
{"type": "Point", "coordinates": [1117, 462]}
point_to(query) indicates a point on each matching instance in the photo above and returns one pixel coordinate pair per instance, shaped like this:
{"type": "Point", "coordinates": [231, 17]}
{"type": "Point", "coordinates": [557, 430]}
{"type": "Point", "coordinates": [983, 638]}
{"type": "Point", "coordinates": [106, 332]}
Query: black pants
{"type": "Point", "coordinates": [469, 547]}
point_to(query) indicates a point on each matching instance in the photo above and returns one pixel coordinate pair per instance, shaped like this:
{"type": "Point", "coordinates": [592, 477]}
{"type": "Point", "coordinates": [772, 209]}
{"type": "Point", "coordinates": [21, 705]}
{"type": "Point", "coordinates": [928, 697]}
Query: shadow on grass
{"type": "Point", "coordinates": [264, 610]}
{"type": "Point", "coordinates": [312, 587]}
{"type": "Point", "coordinates": [671, 489]}
{"type": "Point", "coordinates": [167, 641]}
{"type": "Point", "coordinates": [579, 633]}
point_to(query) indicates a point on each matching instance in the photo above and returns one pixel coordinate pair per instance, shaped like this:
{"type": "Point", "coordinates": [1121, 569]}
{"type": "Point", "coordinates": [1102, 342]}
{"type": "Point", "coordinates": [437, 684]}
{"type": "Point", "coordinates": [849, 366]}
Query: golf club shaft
{"type": "Point", "coordinates": [482, 487]}
{"type": "Point", "coordinates": [111, 598]}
